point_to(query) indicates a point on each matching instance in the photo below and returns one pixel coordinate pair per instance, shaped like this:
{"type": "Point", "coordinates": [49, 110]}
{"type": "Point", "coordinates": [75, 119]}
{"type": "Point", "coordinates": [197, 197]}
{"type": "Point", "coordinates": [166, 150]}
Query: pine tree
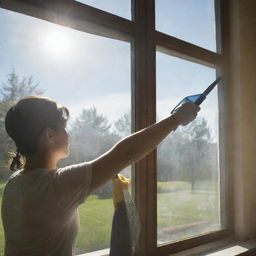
{"type": "Point", "coordinates": [11, 91]}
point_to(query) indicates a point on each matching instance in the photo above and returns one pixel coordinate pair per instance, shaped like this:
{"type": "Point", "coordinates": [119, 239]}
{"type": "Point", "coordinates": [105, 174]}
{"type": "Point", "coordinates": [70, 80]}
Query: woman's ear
{"type": "Point", "coordinates": [49, 135]}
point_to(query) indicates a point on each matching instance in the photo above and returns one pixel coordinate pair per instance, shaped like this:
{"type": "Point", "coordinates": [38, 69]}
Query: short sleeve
{"type": "Point", "coordinates": [72, 184]}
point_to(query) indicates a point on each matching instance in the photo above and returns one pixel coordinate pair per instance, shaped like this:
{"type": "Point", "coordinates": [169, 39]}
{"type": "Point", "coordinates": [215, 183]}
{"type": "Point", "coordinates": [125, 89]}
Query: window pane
{"type": "Point", "coordinates": [192, 21]}
{"type": "Point", "coordinates": [88, 74]}
{"type": "Point", "coordinates": [188, 197]}
{"type": "Point", "coordinates": [119, 8]}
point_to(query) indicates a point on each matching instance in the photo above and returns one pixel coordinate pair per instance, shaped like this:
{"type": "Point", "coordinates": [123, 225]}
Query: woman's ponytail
{"type": "Point", "coordinates": [16, 161]}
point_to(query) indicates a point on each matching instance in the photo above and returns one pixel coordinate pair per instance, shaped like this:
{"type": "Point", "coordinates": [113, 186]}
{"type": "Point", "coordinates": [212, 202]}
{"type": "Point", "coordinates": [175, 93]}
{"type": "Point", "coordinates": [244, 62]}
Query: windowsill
{"type": "Point", "coordinates": [227, 247]}
{"type": "Point", "coordinates": [104, 252]}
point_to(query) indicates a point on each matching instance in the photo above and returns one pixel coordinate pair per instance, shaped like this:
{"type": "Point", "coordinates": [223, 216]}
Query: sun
{"type": "Point", "coordinates": [58, 43]}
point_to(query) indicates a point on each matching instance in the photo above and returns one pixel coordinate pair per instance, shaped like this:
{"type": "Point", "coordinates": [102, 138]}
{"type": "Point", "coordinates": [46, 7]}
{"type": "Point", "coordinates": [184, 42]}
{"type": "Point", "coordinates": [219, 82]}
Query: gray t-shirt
{"type": "Point", "coordinates": [39, 210]}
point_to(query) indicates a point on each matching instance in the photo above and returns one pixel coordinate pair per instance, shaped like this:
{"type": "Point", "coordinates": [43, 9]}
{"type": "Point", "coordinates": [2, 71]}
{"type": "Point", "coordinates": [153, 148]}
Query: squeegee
{"type": "Point", "coordinates": [198, 98]}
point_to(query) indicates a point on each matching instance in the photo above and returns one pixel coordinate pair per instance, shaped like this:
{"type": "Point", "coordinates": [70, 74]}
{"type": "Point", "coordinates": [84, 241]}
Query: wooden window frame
{"type": "Point", "coordinates": [145, 40]}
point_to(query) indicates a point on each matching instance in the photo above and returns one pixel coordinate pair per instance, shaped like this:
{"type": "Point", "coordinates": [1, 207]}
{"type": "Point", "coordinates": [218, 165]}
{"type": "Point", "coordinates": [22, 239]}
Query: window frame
{"type": "Point", "coordinates": [145, 40]}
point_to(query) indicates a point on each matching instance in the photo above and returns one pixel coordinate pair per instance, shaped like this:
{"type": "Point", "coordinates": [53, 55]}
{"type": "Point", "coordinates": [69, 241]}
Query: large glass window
{"type": "Point", "coordinates": [192, 21]}
{"type": "Point", "coordinates": [188, 194]}
{"type": "Point", "coordinates": [88, 74]}
{"type": "Point", "coordinates": [91, 75]}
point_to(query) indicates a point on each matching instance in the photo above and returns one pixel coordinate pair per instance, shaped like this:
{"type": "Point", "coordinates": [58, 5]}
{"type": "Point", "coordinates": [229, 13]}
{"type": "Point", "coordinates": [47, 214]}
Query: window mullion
{"type": "Point", "coordinates": [226, 176]}
{"type": "Point", "coordinates": [144, 103]}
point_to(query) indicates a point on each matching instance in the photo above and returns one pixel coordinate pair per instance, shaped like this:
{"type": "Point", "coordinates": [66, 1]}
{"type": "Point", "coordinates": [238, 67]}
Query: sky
{"type": "Point", "coordinates": [80, 70]}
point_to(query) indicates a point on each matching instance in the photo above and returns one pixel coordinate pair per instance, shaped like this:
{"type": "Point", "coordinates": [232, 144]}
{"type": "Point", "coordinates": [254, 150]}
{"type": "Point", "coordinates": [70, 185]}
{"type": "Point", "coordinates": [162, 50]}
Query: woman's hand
{"type": "Point", "coordinates": [186, 113]}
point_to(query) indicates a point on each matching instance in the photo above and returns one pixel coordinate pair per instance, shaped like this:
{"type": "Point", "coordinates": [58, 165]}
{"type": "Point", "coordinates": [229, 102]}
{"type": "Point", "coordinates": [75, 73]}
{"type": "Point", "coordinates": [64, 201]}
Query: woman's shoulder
{"type": "Point", "coordinates": [40, 174]}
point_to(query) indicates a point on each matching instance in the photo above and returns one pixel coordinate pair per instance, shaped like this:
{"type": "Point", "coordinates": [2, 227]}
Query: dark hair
{"type": "Point", "coordinates": [26, 120]}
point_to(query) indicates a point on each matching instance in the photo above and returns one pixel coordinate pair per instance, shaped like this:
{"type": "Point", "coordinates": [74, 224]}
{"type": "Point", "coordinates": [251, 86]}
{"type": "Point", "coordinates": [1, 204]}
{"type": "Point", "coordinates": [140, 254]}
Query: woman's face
{"type": "Point", "coordinates": [62, 138]}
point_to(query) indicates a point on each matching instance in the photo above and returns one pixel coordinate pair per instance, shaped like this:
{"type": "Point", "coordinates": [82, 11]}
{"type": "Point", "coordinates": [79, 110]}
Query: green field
{"type": "Point", "coordinates": [177, 207]}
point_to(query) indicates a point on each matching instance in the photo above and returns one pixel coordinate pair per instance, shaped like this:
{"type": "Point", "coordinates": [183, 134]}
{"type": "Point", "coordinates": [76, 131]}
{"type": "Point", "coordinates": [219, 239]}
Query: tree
{"type": "Point", "coordinates": [188, 154]}
{"type": "Point", "coordinates": [11, 91]}
{"type": "Point", "coordinates": [170, 157]}
{"type": "Point", "coordinates": [123, 125]}
{"type": "Point", "coordinates": [91, 136]}
{"type": "Point", "coordinates": [197, 152]}
{"type": "Point", "coordinates": [15, 88]}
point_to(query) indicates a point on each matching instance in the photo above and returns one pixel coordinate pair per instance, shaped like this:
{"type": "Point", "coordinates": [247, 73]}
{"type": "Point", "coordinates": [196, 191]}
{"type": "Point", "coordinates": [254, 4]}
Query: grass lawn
{"type": "Point", "coordinates": [1, 227]}
{"type": "Point", "coordinates": [95, 224]}
{"type": "Point", "coordinates": [178, 206]}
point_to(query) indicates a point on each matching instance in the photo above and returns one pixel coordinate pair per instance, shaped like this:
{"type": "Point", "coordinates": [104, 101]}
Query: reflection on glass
{"type": "Point", "coordinates": [88, 74]}
{"type": "Point", "coordinates": [188, 196]}
{"type": "Point", "coordinates": [192, 21]}
{"type": "Point", "coordinates": [119, 8]}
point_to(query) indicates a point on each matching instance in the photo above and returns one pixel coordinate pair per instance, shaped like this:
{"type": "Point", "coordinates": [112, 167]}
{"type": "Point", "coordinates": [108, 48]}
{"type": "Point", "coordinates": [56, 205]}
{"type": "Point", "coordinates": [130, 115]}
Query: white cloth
{"type": "Point", "coordinates": [39, 210]}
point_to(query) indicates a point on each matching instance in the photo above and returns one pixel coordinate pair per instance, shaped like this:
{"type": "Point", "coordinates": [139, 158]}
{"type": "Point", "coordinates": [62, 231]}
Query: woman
{"type": "Point", "coordinates": [40, 200]}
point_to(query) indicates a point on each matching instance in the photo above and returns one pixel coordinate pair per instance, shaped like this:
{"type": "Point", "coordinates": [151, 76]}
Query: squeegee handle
{"type": "Point", "coordinates": [200, 100]}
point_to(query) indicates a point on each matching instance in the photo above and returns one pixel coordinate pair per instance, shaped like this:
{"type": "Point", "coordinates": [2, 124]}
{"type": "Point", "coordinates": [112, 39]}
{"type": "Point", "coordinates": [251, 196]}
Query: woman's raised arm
{"type": "Point", "coordinates": [138, 145]}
